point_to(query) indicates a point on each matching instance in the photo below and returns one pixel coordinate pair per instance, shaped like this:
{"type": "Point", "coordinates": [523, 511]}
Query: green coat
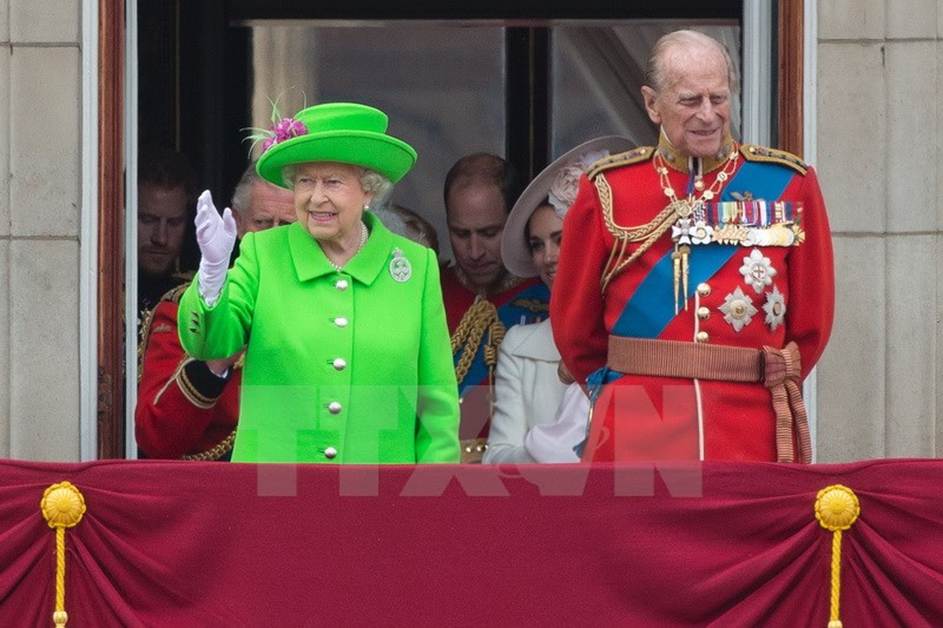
{"type": "Point", "coordinates": [351, 366]}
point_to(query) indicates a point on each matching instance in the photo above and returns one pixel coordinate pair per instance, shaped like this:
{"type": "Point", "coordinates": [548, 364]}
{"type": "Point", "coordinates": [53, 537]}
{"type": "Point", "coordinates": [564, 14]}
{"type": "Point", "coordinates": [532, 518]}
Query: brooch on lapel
{"type": "Point", "coordinates": [400, 268]}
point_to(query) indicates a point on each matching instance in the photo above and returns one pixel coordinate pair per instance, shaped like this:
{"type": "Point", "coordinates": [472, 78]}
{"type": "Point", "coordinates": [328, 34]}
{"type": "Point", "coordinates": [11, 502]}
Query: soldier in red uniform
{"type": "Point", "coordinates": [187, 408]}
{"type": "Point", "coordinates": [700, 290]}
{"type": "Point", "coordinates": [482, 299]}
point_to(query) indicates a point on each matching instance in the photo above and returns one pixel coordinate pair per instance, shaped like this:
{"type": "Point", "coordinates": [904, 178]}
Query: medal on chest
{"type": "Point", "coordinates": [690, 226]}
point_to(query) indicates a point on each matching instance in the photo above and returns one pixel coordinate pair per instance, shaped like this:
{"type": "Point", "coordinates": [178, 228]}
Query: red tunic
{"type": "Point", "coordinates": [182, 408]}
{"type": "Point", "coordinates": [524, 301]}
{"type": "Point", "coordinates": [650, 418]}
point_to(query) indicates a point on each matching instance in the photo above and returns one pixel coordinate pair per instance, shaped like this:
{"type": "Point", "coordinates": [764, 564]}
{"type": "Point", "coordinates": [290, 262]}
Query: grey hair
{"type": "Point", "coordinates": [376, 184]}
{"type": "Point", "coordinates": [372, 182]}
{"type": "Point", "coordinates": [242, 194]}
{"type": "Point", "coordinates": [655, 74]}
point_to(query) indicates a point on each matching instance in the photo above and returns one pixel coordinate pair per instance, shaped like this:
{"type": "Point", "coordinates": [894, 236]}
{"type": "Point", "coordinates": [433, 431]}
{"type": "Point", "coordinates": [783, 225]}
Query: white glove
{"type": "Point", "coordinates": [216, 236]}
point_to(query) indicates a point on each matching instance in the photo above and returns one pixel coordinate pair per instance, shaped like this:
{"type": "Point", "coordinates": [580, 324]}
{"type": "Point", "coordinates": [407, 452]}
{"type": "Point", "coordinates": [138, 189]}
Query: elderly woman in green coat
{"type": "Point", "coordinates": [347, 355]}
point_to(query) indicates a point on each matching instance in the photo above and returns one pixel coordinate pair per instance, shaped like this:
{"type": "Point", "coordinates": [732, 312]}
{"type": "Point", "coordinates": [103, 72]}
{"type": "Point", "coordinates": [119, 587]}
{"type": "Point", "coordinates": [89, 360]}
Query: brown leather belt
{"type": "Point", "coordinates": [778, 369]}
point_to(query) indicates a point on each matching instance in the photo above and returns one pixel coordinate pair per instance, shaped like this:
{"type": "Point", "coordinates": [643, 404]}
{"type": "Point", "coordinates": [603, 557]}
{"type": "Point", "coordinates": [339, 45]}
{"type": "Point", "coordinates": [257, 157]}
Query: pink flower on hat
{"type": "Point", "coordinates": [283, 130]}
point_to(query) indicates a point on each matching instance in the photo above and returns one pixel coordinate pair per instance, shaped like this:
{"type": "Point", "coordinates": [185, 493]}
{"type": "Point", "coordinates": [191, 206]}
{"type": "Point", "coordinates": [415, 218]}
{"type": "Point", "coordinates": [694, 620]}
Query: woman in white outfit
{"type": "Point", "coordinates": [539, 414]}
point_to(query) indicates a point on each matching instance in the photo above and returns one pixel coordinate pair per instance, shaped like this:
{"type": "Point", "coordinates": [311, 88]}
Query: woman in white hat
{"type": "Point", "coordinates": [539, 414]}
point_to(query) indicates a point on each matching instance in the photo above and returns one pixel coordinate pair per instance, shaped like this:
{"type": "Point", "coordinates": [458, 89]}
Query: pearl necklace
{"type": "Point", "coordinates": [363, 239]}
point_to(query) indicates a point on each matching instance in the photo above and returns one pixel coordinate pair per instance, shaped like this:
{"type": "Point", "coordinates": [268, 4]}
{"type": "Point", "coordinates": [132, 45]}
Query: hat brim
{"type": "Point", "coordinates": [515, 251]}
{"type": "Point", "coordinates": [384, 154]}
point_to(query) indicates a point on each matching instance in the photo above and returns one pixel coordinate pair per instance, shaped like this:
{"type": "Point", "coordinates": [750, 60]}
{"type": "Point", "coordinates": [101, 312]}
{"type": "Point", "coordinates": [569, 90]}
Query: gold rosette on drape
{"type": "Point", "coordinates": [836, 509]}
{"type": "Point", "coordinates": [63, 506]}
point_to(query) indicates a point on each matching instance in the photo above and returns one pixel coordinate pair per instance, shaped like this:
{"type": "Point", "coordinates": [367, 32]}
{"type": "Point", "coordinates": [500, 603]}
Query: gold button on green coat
{"type": "Point", "coordinates": [395, 400]}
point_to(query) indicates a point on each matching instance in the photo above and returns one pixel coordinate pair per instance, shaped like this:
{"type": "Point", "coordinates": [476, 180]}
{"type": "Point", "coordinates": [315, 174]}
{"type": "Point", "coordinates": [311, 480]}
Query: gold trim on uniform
{"type": "Point", "coordinates": [648, 234]}
{"type": "Point", "coordinates": [481, 317]}
{"type": "Point", "coordinates": [683, 163]}
{"type": "Point", "coordinates": [173, 295]}
{"type": "Point", "coordinates": [532, 305]}
{"type": "Point", "coordinates": [730, 234]}
{"type": "Point", "coordinates": [754, 152]}
{"type": "Point", "coordinates": [189, 390]}
{"type": "Point", "coordinates": [215, 452]}
{"type": "Point", "coordinates": [629, 157]}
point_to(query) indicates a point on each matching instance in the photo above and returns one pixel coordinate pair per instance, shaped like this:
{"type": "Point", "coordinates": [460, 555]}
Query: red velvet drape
{"type": "Point", "coordinates": [728, 544]}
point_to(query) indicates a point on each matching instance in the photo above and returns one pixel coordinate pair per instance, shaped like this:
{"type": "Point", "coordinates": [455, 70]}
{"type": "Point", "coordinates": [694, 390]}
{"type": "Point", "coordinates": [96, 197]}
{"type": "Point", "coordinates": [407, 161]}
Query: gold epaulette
{"type": "Point", "coordinates": [629, 157]}
{"type": "Point", "coordinates": [174, 294]}
{"type": "Point", "coordinates": [755, 152]}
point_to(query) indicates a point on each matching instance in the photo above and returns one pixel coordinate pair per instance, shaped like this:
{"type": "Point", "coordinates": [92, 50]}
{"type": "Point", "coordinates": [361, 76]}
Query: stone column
{"type": "Point", "coordinates": [880, 147]}
{"type": "Point", "coordinates": [40, 197]}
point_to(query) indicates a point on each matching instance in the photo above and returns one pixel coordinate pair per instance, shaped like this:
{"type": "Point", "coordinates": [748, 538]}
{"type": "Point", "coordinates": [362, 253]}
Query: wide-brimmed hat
{"type": "Point", "coordinates": [343, 132]}
{"type": "Point", "coordinates": [559, 181]}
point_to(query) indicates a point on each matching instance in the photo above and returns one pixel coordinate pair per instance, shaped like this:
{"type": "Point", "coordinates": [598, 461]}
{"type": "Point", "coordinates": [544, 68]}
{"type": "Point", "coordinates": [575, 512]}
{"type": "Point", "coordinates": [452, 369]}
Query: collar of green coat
{"type": "Point", "coordinates": [311, 262]}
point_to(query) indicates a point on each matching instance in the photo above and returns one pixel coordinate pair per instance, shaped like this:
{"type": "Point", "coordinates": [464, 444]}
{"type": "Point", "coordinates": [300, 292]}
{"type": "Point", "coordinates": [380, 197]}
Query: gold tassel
{"type": "Point", "coordinates": [679, 261]}
{"type": "Point", "coordinates": [63, 506]}
{"type": "Point", "coordinates": [685, 253]}
{"type": "Point", "coordinates": [676, 274]}
{"type": "Point", "coordinates": [836, 509]}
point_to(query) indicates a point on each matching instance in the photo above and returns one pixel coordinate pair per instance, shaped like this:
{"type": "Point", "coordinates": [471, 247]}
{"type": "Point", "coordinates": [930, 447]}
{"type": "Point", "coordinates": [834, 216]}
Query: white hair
{"type": "Point", "coordinates": [242, 195]}
{"type": "Point", "coordinates": [655, 71]}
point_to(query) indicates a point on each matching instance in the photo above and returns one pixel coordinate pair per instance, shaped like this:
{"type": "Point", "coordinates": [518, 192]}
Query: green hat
{"type": "Point", "coordinates": [343, 132]}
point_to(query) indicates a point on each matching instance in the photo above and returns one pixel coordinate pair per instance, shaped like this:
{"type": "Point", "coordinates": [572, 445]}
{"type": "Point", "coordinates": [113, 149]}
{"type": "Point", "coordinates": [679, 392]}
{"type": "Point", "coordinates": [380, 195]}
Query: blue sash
{"type": "Point", "coordinates": [651, 308]}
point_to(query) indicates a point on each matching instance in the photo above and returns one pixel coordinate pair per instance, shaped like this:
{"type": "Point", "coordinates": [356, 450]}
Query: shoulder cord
{"type": "Point", "coordinates": [480, 317]}
{"type": "Point", "coordinates": [648, 234]}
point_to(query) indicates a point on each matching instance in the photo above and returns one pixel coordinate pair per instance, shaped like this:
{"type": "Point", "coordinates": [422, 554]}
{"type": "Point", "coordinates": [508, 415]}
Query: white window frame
{"type": "Point", "coordinates": [88, 239]}
{"type": "Point", "coordinates": [131, 225]}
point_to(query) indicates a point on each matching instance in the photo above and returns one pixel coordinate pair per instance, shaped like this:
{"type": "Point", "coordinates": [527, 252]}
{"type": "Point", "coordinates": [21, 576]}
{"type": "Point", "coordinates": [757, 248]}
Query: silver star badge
{"type": "Point", "coordinates": [400, 268]}
{"type": "Point", "coordinates": [738, 309]}
{"type": "Point", "coordinates": [775, 308]}
{"type": "Point", "coordinates": [757, 270]}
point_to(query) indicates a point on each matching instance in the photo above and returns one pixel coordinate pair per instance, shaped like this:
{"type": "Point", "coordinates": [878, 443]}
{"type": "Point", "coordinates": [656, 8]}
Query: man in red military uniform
{"type": "Point", "coordinates": [187, 408]}
{"type": "Point", "coordinates": [700, 291]}
{"type": "Point", "coordinates": [482, 299]}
